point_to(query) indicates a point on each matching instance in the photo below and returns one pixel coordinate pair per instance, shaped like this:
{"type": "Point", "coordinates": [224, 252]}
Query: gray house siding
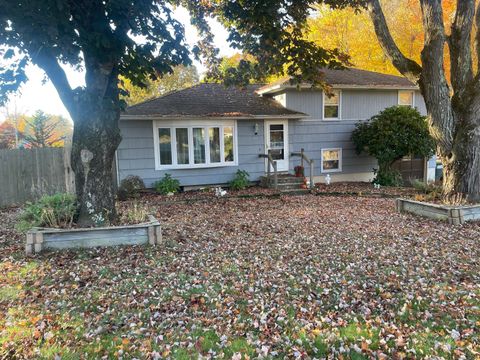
{"type": "Point", "coordinates": [136, 151]}
{"type": "Point", "coordinates": [314, 134]}
{"type": "Point", "coordinates": [355, 104]}
{"type": "Point", "coordinates": [136, 156]}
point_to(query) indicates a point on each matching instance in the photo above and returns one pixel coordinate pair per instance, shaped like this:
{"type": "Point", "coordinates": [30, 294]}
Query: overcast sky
{"type": "Point", "coordinates": [39, 93]}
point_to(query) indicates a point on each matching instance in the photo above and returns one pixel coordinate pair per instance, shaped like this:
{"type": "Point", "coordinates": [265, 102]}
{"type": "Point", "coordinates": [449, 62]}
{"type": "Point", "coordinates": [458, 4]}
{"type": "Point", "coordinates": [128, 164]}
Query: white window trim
{"type": "Point", "coordinates": [413, 98]}
{"type": "Point", "coordinates": [339, 106]}
{"type": "Point", "coordinates": [340, 161]}
{"type": "Point", "coordinates": [190, 124]}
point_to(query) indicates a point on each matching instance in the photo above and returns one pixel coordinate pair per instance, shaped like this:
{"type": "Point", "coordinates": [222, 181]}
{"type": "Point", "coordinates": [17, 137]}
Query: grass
{"type": "Point", "coordinates": [288, 277]}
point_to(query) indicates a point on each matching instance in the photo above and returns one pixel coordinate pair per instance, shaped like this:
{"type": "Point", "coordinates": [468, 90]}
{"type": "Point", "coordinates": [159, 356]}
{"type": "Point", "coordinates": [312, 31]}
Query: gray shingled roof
{"type": "Point", "coordinates": [211, 100]}
{"type": "Point", "coordinates": [353, 78]}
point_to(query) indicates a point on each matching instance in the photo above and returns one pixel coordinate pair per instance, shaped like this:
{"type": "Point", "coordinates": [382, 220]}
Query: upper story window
{"type": "Point", "coordinates": [331, 105]}
{"type": "Point", "coordinates": [192, 144]}
{"type": "Point", "coordinates": [406, 98]}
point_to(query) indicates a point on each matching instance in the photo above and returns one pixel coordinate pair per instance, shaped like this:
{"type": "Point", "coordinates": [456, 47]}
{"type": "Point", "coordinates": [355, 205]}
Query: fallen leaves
{"type": "Point", "coordinates": [287, 277]}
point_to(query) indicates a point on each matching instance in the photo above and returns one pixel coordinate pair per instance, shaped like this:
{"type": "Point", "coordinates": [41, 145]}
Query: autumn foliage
{"type": "Point", "coordinates": [353, 33]}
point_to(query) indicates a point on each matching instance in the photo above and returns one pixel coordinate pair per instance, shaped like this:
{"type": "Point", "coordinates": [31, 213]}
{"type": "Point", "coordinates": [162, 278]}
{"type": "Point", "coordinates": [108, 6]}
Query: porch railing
{"type": "Point", "coordinates": [272, 164]}
{"type": "Point", "coordinates": [304, 158]}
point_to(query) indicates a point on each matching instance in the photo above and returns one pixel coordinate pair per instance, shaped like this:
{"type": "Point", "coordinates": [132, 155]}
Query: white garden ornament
{"type": "Point", "coordinates": [328, 179]}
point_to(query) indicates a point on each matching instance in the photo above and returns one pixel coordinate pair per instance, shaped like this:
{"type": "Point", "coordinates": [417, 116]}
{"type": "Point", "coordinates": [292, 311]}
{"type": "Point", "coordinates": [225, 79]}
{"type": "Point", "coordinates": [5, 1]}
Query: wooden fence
{"type": "Point", "coordinates": [28, 174]}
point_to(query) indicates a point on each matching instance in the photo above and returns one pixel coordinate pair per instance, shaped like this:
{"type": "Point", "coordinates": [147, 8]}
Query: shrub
{"type": "Point", "coordinates": [425, 187]}
{"type": "Point", "coordinates": [430, 191]}
{"type": "Point", "coordinates": [134, 214]}
{"type": "Point", "coordinates": [395, 132]}
{"type": "Point", "coordinates": [130, 187]}
{"type": "Point", "coordinates": [388, 177]}
{"type": "Point", "coordinates": [167, 185]}
{"type": "Point", "coordinates": [240, 181]}
{"type": "Point", "coordinates": [50, 211]}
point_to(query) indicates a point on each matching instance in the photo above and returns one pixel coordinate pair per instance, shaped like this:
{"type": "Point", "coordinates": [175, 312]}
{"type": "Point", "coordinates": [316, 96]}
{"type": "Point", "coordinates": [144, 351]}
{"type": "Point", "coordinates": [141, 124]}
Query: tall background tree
{"type": "Point", "coordinates": [353, 33]}
{"type": "Point", "coordinates": [39, 130]}
{"type": "Point", "coordinates": [8, 136]}
{"type": "Point", "coordinates": [139, 40]}
{"type": "Point", "coordinates": [44, 130]}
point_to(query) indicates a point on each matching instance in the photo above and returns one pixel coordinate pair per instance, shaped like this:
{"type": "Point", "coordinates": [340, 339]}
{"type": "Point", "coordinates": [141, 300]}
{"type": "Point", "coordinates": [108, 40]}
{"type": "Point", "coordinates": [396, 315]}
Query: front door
{"type": "Point", "coordinates": [276, 140]}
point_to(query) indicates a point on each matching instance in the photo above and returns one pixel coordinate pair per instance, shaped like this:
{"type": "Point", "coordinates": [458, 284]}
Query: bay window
{"type": "Point", "coordinates": [192, 144]}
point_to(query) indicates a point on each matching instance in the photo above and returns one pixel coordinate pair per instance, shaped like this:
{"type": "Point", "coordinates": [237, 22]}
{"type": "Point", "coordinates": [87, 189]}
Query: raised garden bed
{"type": "Point", "coordinates": [40, 239]}
{"type": "Point", "coordinates": [453, 214]}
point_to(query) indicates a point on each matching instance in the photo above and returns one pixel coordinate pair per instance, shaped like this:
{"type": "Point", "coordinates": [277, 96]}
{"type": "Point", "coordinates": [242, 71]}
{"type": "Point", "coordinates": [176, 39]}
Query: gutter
{"type": "Point", "coordinates": [197, 117]}
{"type": "Point", "coordinates": [278, 88]}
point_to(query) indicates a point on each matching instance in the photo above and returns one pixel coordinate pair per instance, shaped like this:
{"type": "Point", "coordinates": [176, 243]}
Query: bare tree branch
{"type": "Point", "coordinates": [409, 68]}
{"type": "Point", "coordinates": [460, 47]}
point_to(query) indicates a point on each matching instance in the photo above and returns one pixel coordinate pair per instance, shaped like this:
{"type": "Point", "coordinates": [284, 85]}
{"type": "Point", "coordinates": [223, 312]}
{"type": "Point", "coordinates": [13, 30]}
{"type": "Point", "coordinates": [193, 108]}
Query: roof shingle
{"type": "Point", "coordinates": [351, 77]}
{"type": "Point", "coordinates": [212, 100]}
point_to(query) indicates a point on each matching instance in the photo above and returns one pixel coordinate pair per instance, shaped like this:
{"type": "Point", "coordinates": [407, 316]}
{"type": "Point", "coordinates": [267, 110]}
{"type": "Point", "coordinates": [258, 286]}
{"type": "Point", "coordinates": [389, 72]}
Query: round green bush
{"type": "Point", "coordinates": [130, 187]}
{"type": "Point", "coordinates": [395, 132]}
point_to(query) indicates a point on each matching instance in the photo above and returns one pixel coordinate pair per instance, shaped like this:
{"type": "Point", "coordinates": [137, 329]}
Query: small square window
{"type": "Point", "coordinates": [406, 98]}
{"type": "Point", "coordinates": [331, 160]}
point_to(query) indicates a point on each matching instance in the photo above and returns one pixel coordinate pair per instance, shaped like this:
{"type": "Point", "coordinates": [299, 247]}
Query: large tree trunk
{"type": "Point", "coordinates": [96, 137]}
{"type": "Point", "coordinates": [461, 164]}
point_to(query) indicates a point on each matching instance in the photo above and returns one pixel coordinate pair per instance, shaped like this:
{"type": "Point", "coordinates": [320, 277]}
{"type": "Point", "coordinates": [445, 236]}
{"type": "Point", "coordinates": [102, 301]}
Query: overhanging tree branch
{"type": "Point", "coordinates": [57, 76]}
{"type": "Point", "coordinates": [409, 68]}
{"type": "Point", "coordinates": [460, 47]}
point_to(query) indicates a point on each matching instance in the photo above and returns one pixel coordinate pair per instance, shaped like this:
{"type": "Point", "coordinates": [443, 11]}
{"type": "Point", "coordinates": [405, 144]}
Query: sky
{"type": "Point", "coordinates": [39, 93]}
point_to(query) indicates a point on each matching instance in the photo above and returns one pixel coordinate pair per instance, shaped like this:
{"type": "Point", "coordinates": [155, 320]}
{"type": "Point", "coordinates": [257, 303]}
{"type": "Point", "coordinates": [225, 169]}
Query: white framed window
{"type": "Point", "coordinates": [406, 98]}
{"type": "Point", "coordinates": [195, 144]}
{"type": "Point", "coordinates": [332, 109]}
{"type": "Point", "coordinates": [331, 160]}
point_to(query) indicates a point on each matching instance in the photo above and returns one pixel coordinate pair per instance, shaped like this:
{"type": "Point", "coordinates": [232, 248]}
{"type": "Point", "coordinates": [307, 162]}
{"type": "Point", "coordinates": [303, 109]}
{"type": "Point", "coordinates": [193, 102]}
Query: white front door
{"type": "Point", "coordinates": [276, 140]}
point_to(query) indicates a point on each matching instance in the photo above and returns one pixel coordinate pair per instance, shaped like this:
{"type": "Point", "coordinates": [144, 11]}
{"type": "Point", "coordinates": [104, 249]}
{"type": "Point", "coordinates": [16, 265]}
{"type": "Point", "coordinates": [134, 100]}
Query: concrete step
{"type": "Point", "coordinates": [288, 186]}
{"type": "Point", "coordinates": [282, 179]}
{"type": "Point", "coordinates": [295, 192]}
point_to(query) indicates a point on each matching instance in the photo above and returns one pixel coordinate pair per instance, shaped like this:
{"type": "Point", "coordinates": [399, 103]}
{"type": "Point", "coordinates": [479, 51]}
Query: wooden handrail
{"type": "Point", "coordinates": [273, 163]}
{"type": "Point", "coordinates": [304, 157]}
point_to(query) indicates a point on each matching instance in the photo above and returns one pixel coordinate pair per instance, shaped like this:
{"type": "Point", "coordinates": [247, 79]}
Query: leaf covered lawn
{"type": "Point", "coordinates": [288, 277]}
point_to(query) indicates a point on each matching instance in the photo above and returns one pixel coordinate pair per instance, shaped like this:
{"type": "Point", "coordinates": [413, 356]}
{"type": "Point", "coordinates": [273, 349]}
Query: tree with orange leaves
{"type": "Point", "coordinates": [353, 33]}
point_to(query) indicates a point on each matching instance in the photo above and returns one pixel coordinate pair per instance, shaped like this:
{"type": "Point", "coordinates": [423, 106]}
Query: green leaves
{"type": "Point", "coordinates": [396, 132]}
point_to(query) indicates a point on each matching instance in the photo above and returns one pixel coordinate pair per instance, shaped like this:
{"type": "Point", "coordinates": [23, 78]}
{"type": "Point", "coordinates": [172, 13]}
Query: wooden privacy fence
{"type": "Point", "coordinates": [27, 174]}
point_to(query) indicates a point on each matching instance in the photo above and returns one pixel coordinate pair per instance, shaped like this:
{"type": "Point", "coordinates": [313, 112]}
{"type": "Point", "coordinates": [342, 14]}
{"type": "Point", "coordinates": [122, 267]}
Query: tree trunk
{"type": "Point", "coordinates": [461, 165]}
{"type": "Point", "coordinates": [95, 139]}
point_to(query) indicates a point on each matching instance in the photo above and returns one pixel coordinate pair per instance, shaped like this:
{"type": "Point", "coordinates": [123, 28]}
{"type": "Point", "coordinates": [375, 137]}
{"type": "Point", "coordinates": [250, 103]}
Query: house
{"type": "Point", "coordinates": [202, 135]}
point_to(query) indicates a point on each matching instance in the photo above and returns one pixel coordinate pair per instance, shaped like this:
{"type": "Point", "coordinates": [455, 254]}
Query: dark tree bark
{"type": "Point", "coordinates": [95, 111]}
{"type": "Point", "coordinates": [453, 112]}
